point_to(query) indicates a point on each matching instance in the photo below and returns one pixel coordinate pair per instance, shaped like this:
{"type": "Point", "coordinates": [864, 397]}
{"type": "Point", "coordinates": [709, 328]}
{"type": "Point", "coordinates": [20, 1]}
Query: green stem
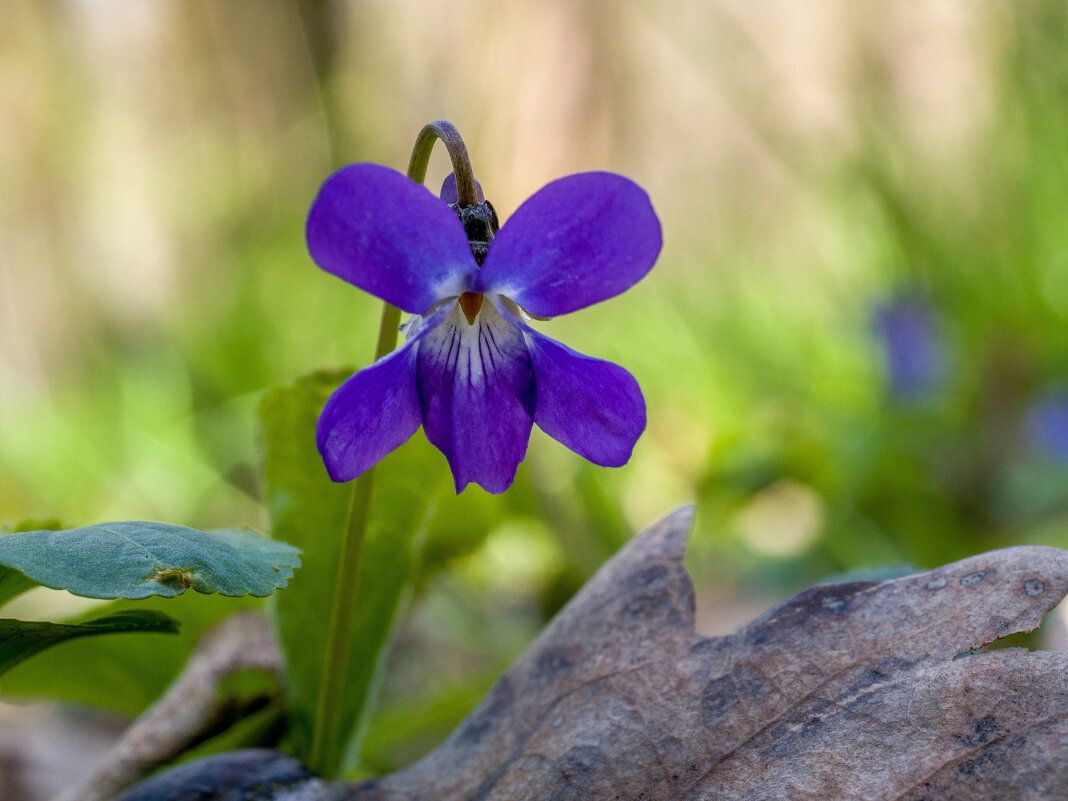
{"type": "Point", "coordinates": [325, 755]}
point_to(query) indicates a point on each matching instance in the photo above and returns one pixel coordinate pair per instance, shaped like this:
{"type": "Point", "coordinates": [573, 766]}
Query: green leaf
{"type": "Point", "coordinates": [20, 639]}
{"type": "Point", "coordinates": [12, 582]}
{"type": "Point", "coordinates": [138, 559]}
{"type": "Point", "coordinates": [123, 674]}
{"type": "Point", "coordinates": [310, 510]}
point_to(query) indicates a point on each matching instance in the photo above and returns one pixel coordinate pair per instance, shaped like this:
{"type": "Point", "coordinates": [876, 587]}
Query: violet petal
{"type": "Point", "coordinates": [381, 231]}
{"type": "Point", "coordinates": [476, 391]}
{"type": "Point", "coordinates": [578, 241]}
{"type": "Point", "coordinates": [449, 193]}
{"type": "Point", "coordinates": [372, 413]}
{"type": "Point", "coordinates": [592, 406]}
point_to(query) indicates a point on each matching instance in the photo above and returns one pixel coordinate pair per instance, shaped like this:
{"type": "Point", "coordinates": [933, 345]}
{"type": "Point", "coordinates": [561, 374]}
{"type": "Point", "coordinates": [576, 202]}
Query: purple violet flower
{"type": "Point", "coordinates": [472, 372]}
{"type": "Point", "coordinates": [1047, 424]}
{"type": "Point", "coordinates": [914, 353]}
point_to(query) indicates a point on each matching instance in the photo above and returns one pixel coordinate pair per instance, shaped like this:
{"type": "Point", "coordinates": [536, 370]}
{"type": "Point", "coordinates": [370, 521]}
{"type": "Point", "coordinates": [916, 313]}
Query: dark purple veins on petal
{"type": "Point", "coordinates": [476, 389]}
{"type": "Point", "coordinates": [382, 232]}
{"type": "Point", "coordinates": [578, 241]}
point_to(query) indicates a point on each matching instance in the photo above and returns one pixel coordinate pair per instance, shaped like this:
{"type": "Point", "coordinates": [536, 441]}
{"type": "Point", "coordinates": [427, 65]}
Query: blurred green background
{"type": "Point", "coordinates": [853, 347]}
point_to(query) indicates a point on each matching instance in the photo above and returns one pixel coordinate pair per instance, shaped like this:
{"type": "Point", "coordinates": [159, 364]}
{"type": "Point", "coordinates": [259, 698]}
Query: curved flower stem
{"type": "Point", "coordinates": [325, 755]}
{"type": "Point", "coordinates": [461, 162]}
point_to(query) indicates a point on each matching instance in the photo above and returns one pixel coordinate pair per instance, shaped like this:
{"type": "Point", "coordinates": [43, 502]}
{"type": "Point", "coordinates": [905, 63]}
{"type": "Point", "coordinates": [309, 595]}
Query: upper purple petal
{"type": "Point", "coordinates": [449, 193]}
{"type": "Point", "coordinates": [369, 415]}
{"type": "Point", "coordinates": [578, 241]}
{"type": "Point", "coordinates": [593, 407]}
{"type": "Point", "coordinates": [476, 391]}
{"type": "Point", "coordinates": [389, 236]}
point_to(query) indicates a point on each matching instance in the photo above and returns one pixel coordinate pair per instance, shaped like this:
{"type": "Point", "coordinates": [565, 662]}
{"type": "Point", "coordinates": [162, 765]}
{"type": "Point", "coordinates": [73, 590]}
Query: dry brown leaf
{"type": "Point", "coordinates": [847, 691]}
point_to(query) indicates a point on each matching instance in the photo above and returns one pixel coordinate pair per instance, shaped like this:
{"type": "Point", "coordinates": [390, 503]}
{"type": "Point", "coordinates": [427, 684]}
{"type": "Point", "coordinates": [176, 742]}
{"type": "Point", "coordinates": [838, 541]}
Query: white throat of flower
{"type": "Point", "coordinates": [475, 349]}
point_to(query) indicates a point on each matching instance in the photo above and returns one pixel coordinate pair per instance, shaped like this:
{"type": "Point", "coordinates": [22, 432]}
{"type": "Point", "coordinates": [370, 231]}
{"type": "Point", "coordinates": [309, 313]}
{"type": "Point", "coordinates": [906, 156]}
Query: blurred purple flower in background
{"type": "Point", "coordinates": [914, 357]}
{"type": "Point", "coordinates": [1046, 423]}
{"type": "Point", "coordinates": [472, 372]}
